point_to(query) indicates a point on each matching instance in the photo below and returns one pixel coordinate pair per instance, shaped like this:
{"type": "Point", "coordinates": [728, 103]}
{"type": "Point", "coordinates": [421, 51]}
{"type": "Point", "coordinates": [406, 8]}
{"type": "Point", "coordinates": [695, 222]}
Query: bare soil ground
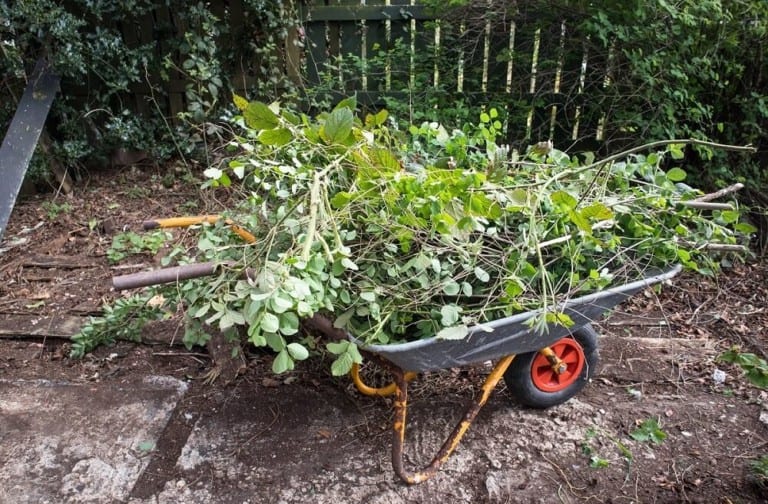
{"type": "Point", "coordinates": [310, 437]}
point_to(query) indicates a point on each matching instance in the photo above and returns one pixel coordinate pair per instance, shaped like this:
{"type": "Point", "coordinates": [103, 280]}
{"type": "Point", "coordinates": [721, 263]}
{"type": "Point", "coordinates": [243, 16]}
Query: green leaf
{"type": "Point", "coordinates": [597, 211]}
{"type": "Point", "coordinates": [563, 200]}
{"type": "Point", "coordinates": [270, 323]}
{"type": "Point", "coordinates": [347, 103]}
{"type": "Point", "coordinates": [582, 223]}
{"type": "Point", "coordinates": [280, 303]}
{"type": "Point", "coordinates": [349, 264]}
{"type": "Point", "coordinates": [730, 216]}
{"type": "Point", "coordinates": [341, 199]}
{"type": "Point", "coordinates": [275, 342]}
{"type": "Point", "coordinates": [451, 288]}
{"type": "Point", "coordinates": [559, 318]}
{"type": "Point", "coordinates": [758, 376]}
{"type": "Point", "coordinates": [240, 102]}
{"type": "Point", "coordinates": [282, 363]}
{"type": "Point", "coordinates": [289, 323]}
{"type": "Point", "coordinates": [378, 119]}
{"type": "Point", "coordinates": [649, 430]}
{"type": "Point", "coordinates": [338, 125]}
{"type": "Point", "coordinates": [231, 318]}
{"type": "Point", "coordinates": [259, 116]}
{"type": "Point", "coordinates": [342, 365]}
{"type": "Point", "coordinates": [676, 174]}
{"type": "Point", "coordinates": [213, 173]}
{"type": "Point", "coordinates": [449, 315]}
{"type": "Point", "coordinates": [337, 347]}
{"type": "Point", "coordinates": [519, 197]}
{"type": "Point", "coordinates": [297, 351]}
{"type": "Point", "coordinates": [275, 137]}
{"type": "Point", "coordinates": [255, 336]}
{"type": "Point", "coordinates": [743, 227]}
{"type": "Point", "coordinates": [146, 446]}
{"type": "Point", "coordinates": [453, 333]}
{"type": "Point", "coordinates": [676, 150]}
{"type": "Point", "coordinates": [481, 274]}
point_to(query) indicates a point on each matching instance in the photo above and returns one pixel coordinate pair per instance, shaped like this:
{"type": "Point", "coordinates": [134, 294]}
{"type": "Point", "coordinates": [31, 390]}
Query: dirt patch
{"type": "Point", "coordinates": [310, 437]}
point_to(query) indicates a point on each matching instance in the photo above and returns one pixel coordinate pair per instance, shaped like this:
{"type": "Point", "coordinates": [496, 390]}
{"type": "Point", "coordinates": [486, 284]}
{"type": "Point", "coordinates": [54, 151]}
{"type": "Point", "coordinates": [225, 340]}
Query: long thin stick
{"type": "Point", "coordinates": [722, 192]}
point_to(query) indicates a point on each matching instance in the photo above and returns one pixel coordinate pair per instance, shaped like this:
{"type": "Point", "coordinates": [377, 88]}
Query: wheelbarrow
{"type": "Point", "coordinates": [541, 368]}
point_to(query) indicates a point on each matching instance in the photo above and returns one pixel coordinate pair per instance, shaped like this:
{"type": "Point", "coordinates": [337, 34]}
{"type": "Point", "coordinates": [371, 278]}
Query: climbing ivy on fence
{"type": "Point", "coordinates": [104, 64]}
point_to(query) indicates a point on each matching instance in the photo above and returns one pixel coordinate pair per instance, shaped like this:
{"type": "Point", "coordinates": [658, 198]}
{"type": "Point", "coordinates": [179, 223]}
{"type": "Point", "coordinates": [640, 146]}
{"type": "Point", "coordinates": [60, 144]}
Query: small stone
{"type": "Point", "coordinates": [718, 376]}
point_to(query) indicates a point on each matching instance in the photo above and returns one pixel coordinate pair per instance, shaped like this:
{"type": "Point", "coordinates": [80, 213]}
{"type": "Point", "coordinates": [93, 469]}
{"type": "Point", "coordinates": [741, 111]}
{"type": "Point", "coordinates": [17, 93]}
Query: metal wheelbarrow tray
{"type": "Point", "coordinates": [541, 368]}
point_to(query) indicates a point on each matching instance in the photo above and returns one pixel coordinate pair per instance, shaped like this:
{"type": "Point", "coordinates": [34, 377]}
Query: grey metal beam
{"type": "Point", "coordinates": [22, 136]}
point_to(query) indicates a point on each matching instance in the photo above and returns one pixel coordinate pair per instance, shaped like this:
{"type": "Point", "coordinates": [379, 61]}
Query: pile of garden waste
{"type": "Point", "coordinates": [399, 235]}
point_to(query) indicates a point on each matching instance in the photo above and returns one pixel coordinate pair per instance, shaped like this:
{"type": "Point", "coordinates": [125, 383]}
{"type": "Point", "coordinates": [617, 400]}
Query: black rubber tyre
{"type": "Point", "coordinates": [521, 377]}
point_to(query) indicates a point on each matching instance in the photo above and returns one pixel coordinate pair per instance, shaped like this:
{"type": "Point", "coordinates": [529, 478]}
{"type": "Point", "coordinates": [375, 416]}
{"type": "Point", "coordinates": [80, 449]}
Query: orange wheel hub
{"type": "Point", "coordinates": [546, 378]}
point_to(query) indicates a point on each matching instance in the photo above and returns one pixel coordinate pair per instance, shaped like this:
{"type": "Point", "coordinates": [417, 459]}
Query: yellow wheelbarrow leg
{"type": "Point", "coordinates": [373, 391]}
{"type": "Point", "coordinates": [450, 444]}
{"type": "Point", "coordinates": [174, 222]}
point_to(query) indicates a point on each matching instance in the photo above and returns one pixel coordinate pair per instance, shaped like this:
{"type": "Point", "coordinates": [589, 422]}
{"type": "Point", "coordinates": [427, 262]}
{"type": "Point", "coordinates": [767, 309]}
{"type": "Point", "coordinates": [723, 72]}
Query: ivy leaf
{"type": "Point", "coordinates": [259, 116]}
{"type": "Point", "coordinates": [729, 216]}
{"type": "Point", "coordinates": [582, 223]}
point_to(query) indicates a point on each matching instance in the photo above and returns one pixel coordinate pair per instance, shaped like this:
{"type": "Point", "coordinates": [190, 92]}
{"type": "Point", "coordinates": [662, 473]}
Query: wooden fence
{"type": "Point", "coordinates": [542, 72]}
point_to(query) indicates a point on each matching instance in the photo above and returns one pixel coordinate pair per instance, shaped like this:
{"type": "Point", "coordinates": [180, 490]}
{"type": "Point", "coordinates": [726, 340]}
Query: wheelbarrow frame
{"type": "Point", "coordinates": [508, 337]}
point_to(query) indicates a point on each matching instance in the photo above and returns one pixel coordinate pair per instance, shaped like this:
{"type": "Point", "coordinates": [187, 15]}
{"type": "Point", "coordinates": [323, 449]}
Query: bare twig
{"type": "Point", "coordinates": [703, 205]}
{"type": "Point", "coordinates": [722, 192]}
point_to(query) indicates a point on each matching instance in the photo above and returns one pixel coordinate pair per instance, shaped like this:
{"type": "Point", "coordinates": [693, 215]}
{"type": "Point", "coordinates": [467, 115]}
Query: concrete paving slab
{"type": "Point", "coordinates": [80, 443]}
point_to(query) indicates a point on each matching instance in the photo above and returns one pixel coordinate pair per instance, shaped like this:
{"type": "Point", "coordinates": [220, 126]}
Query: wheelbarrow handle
{"type": "Point", "coordinates": [165, 275]}
{"type": "Point", "coordinates": [175, 222]}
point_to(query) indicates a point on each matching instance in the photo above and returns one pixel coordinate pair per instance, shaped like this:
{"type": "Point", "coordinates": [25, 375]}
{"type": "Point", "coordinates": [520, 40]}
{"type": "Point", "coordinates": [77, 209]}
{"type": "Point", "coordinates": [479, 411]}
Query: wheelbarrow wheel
{"type": "Point", "coordinates": [533, 382]}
